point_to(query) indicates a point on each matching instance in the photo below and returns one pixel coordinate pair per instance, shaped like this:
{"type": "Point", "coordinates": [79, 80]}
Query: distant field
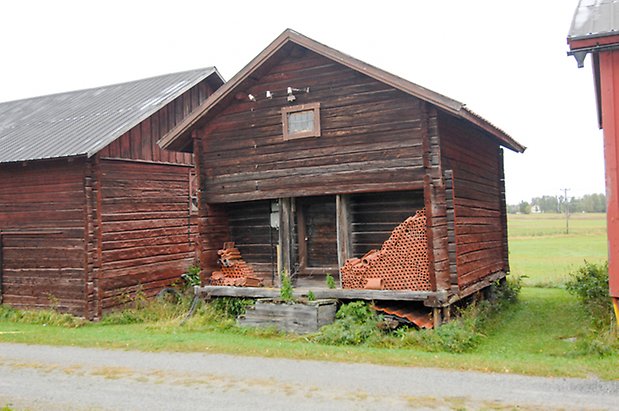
{"type": "Point", "coordinates": [540, 249]}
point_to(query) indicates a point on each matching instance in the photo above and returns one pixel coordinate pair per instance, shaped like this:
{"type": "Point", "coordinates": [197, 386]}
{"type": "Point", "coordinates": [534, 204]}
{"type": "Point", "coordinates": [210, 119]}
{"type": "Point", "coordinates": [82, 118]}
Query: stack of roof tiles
{"type": "Point", "coordinates": [401, 263]}
{"type": "Point", "coordinates": [234, 270]}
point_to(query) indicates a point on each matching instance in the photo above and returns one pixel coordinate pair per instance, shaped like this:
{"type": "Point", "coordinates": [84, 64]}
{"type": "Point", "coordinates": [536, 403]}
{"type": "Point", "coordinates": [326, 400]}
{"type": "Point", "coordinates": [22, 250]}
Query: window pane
{"type": "Point", "coordinates": [300, 121]}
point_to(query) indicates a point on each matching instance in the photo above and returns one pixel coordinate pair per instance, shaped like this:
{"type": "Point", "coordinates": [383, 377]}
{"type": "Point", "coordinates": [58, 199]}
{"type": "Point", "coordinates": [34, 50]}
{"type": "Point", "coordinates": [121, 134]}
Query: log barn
{"type": "Point", "coordinates": [308, 157]}
{"type": "Point", "coordinates": [91, 208]}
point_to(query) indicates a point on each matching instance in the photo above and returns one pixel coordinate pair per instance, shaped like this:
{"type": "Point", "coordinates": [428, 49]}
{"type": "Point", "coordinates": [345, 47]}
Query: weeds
{"type": "Point", "coordinates": [42, 317]}
{"type": "Point", "coordinates": [230, 307]}
{"type": "Point", "coordinates": [355, 324]}
{"type": "Point", "coordinates": [330, 281]}
{"type": "Point", "coordinates": [286, 291]}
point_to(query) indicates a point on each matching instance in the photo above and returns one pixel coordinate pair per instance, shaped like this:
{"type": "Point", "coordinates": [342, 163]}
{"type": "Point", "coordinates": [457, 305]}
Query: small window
{"type": "Point", "coordinates": [301, 121]}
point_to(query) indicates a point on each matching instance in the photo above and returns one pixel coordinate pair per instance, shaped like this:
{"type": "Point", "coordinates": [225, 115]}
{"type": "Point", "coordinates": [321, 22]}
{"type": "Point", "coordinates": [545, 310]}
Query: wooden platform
{"type": "Point", "coordinates": [429, 298]}
{"type": "Point", "coordinates": [320, 293]}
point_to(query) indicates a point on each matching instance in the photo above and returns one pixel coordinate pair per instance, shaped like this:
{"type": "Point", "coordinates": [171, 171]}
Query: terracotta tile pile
{"type": "Point", "coordinates": [234, 270]}
{"type": "Point", "coordinates": [401, 263]}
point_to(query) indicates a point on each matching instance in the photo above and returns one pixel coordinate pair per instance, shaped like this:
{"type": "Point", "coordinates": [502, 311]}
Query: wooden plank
{"type": "Point", "coordinates": [344, 229]}
{"type": "Point", "coordinates": [320, 293]}
{"type": "Point", "coordinates": [286, 224]}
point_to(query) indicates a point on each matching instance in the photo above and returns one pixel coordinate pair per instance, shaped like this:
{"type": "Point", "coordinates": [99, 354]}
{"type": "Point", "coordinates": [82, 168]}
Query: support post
{"type": "Point", "coordinates": [343, 224]}
{"type": "Point", "coordinates": [437, 316]}
{"type": "Point", "coordinates": [286, 225]}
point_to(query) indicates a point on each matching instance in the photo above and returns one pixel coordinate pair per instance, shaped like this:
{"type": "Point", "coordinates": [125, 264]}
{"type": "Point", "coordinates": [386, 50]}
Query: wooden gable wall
{"type": "Point", "coordinates": [371, 137]}
{"type": "Point", "coordinates": [140, 143]}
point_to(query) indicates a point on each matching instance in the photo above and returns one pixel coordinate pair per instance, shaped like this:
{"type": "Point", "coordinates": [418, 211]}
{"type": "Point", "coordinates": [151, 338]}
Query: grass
{"type": "Point", "coordinates": [541, 252]}
{"type": "Point", "coordinates": [538, 336]}
{"type": "Point", "coordinates": [531, 339]}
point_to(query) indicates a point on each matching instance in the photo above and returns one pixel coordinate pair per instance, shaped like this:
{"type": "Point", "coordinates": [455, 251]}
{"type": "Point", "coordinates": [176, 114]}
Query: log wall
{"type": "Point", "coordinates": [478, 198]}
{"type": "Point", "coordinates": [375, 215]}
{"type": "Point", "coordinates": [42, 214]}
{"type": "Point", "coordinates": [250, 228]}
{"type": "Point", "coordinates": [148, 233]}
{"type": "Point", "coordinates": [370, 139]}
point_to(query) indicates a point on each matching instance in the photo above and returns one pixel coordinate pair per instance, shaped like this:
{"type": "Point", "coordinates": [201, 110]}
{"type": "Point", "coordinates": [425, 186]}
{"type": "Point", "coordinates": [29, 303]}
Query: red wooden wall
{"type": "Point", "coordinates": [478, 197]}
{"type": "Point", "coordinates": [147, 233]}
{"type": "Point", "coordinates": [42, 210]}
{"type": "Point", "coordinates": [609, 94]}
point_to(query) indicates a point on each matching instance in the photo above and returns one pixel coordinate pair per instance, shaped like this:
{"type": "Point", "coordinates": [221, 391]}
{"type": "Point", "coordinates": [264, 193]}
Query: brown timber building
{"type": "Point", "coordinates": [308, 157]}
{"type": "Point", "coordinates": [91, 209]}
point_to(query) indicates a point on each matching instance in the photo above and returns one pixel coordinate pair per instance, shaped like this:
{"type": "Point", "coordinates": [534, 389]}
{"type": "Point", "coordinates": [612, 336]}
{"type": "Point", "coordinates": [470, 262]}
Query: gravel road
{"type": "Point", "coordinates": [68, 378]}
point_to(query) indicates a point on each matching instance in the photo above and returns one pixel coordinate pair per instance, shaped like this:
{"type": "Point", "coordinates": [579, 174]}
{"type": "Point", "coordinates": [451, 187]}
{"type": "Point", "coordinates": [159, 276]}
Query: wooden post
{"type": "Point", "coordinates": [343, 224]}
{"type": "Point", "coordinates": [451, 230]}
{"type": "Point", "coordinates": [286, 225]}
{"type": "Point", "coordinates": [437, 316]}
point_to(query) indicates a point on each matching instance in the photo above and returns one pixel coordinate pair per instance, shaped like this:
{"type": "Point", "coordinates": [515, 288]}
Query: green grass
{"type": "Point", "coordinates": [540, 250]}
{"type": "Point", "coordinates": [535, 336]}
{"type": "Point", "coordinates": [530, 339]}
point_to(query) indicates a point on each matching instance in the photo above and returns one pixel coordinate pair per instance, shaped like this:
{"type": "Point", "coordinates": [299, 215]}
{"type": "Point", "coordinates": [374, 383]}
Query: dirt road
{"type": "Point", "coordinates": [69, 378]}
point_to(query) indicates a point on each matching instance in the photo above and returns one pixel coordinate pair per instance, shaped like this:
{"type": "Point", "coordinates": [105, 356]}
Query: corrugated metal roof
{"type": "Point", "coordinates": [595, 18]}
{"type": "Point", "coordinates": [85, 121]}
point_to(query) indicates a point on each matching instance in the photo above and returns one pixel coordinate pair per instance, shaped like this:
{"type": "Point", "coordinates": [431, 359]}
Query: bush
{"type": "Point", "coordinates": [355, 324]}
{"type": "Point", "coordinates": [589, 283]}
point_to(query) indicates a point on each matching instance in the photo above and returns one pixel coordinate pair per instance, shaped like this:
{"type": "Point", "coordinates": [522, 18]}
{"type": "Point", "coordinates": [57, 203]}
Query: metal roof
{"type": "Point", "coordinates": [83, 122]}
{"type": "Point", "coordinates": [595, 18]}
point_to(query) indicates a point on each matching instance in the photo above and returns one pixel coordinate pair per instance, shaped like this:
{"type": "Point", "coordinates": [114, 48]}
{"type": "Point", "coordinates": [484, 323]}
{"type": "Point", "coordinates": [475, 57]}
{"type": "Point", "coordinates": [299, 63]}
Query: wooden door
{"type": "Point", "coordinates": [317, 236]}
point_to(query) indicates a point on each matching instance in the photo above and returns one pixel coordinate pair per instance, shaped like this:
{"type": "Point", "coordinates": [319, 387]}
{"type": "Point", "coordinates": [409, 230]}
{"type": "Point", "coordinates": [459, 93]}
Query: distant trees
{"type": "Point", "coordinates": [589, 203]}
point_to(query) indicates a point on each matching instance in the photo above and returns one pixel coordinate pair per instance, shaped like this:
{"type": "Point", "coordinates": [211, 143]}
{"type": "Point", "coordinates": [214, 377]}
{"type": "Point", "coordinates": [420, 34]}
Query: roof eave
{"type": "Point", "coordinates": [179, 137]}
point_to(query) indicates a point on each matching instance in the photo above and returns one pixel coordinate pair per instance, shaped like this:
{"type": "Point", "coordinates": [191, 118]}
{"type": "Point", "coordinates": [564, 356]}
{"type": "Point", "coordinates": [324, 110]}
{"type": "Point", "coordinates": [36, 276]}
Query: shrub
{"type": "Point", "coordinates": [355, 324]}
{"type": "Point", "coordinates": [589, 283]}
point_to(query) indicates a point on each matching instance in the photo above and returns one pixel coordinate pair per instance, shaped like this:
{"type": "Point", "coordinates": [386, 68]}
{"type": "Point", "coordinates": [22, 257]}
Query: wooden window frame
{"type": "Point", "coordinates": [315, 132]}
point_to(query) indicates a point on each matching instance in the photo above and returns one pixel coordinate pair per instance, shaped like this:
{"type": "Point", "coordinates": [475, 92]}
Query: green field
{"type": "Point", "coordinates": [541, 251]}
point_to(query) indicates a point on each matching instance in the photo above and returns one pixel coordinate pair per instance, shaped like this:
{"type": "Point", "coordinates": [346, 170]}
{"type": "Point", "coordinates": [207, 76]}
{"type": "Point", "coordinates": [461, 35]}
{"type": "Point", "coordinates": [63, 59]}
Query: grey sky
{"type": "Point", "coordinates": [506, 60]}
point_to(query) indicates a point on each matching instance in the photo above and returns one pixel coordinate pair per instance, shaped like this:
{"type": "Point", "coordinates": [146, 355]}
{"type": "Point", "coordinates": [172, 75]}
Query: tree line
{"type": "Point", "coordinates": [589, 203]}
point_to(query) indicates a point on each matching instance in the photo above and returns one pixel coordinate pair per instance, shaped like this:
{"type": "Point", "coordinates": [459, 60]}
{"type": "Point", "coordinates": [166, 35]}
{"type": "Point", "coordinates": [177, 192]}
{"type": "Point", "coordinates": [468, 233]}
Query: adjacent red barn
{"type": "Point", "coordinates": [308, 158]}
{"type": "Point", "coordinates": [594, 31]}
{"type": "Point", "coordinates": [91, 209]}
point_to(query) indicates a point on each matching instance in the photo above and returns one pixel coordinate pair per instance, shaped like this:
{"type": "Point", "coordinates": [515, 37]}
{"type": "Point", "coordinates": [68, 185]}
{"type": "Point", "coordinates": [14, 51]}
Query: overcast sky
{"type": "Point", "coordinates": [506, 60]}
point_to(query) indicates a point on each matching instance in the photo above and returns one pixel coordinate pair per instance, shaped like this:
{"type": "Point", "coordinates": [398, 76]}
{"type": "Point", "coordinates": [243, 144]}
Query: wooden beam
{"type": "Point", "coordinates": [338, 293]}
{"type": "Point", "coordinates": [286, 225]}
{"type": "Point", "coordinates": [343, 224]}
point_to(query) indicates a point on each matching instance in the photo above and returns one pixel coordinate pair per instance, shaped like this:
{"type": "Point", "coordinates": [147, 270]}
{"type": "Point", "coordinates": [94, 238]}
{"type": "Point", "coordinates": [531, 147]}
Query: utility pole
{"type": "Point", "coordinates": [567, 210]}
